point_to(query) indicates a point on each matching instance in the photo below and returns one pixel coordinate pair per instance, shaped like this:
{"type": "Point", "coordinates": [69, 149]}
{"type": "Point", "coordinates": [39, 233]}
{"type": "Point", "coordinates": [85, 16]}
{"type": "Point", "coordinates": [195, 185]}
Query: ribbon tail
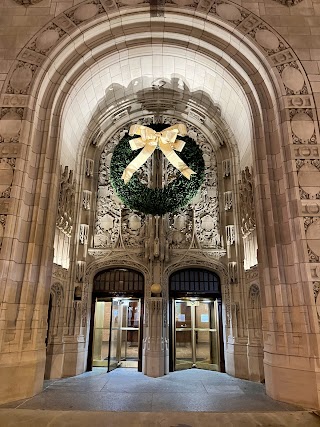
{"type": "Point", "coordinates": [137, 162]}
{"type": "Point", "coordinates": [175, 160]}
{"type": "Point", "coordinates": [178, 145]}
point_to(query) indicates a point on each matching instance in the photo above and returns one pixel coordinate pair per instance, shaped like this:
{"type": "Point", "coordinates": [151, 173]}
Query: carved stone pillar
{"type": "Point", "coordinates": [153, 360]}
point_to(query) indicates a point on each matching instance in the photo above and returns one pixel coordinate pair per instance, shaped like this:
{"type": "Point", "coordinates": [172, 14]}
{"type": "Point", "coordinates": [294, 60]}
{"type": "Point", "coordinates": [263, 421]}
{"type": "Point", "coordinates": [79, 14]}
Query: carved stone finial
{"type": "Point", "coordinates": [27, 3]}
{"type": "Point", "coordinates": [288, 2]}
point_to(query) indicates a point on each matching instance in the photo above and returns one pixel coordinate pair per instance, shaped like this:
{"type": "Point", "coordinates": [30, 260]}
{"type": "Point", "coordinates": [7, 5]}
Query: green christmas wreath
{"type": "Point", "coordinates": [156, 201]}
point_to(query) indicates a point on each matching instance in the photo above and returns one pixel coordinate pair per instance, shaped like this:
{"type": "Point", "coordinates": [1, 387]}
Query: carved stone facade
{"type": "Point", "coordinates": [67, 97]}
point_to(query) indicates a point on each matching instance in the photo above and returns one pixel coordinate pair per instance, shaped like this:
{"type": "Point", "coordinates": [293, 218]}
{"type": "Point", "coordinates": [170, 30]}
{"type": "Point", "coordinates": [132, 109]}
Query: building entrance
{"type": "Point", "coordinates": [196, 320]}
{"type": "Point", "coordinates": [116, 335]}
{"type": "Point", "coordinates": [196, 334]}
{"type": "Point", "coordinates": [116, 313]}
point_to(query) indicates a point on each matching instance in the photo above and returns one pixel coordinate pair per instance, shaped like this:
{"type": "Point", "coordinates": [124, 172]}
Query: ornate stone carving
{"type": "Point", "coordinates": [89, 168]}
{"type": "Point", "coordinates": [267, 39]}
{"type": "Point", "coordinates": [292, 78]}
{"type": "Point", "coordinates": [133, 230]}
{"type": "Point", "coordinates": [206, 204]}
{"type": "Point", "coordinates": [299, 101]}
{"type": "Point", "coordinates": [226, 168]}
{"type": "Point", "coordinates": [312, 229]}
{"type": "Point", "coordinates": [247, 212]}
{"type": "Point", "coordinates": [252, 274]}
{"type": "Point", "coordinates": [302, 126]}
{"type": "Point", "coordinates": [6, 176]}
{"type": "Point", "coordinates": [306, 151]}
{"type": "Point", "coordinates": [233, 272]}
{"type": "Point", "coordinates": [316, 290]}
{"type": "Point", "coordinates": [10, 124]}
{"type": "Point", "coordinates": [315, 271]}
{"type": "Point", "coordinates": [80, 271]}
{"type": "Point", "coordinates": [108, 207]}
{"type": "Point", "coordinates": [229, 12]}
{"type": "Point", "coordinates": [180, 229]}
{"type": "Point", "coordinates": [309, 178]}
{"type": "Point", "coordinates": [27, 2]}
{"type": "Point", "coordinates": [65, 216]}
{"type": "Point", "coordinates": [227, 200]}
{"type": "Point", "coordinates": [254, 292]}
{"type": "Point", "coordinates": [59, 273]}
{"type": "Point", "coordinates": [289, 2]}
{"type": "Point", "coordinates": [57, 292]}
{"type": "Point", "coordinates": [249, 23]}
{"type": "Point", "coordinates": [84, 12]}
{"type": "Point", "coordinates": [86, 200]}
{"type": "Point", "coordinates": [83, 234]}
{"type": "Point", "coordinates": [230, 234]}
{"type": "Point", "coordinates": [63, 22]}
{"type": "Point", "coordinates": [21, 78]}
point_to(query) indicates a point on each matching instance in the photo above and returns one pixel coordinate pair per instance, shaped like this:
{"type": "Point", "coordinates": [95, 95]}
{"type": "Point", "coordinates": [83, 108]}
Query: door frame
{"type": "Point", "coordinates": [110, 296]}
{"type": "Point", "coordinates": [172, 335]}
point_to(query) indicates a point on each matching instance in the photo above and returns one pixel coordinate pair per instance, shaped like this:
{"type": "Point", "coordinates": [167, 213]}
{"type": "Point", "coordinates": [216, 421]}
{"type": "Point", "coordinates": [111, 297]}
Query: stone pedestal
{"type": "Point", "coordinates": [21, 375]}
{"type": "Point", "coordinates": [255, 362]}
{"type": "Point", "coordinates": [153, 359]}
{"type": "Point", "coordinates": [75, 357]}
{"type": "Point", "coordinates": [54, 360]}
{"type": "Point", "coordinates": [291, 385]}
{"type": "Point", "coordinates": [236, 358]}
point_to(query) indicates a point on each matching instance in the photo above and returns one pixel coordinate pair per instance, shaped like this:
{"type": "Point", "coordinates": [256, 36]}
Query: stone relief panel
{"type": "Point", "coordinates": [133, 228]}
{"type": "Point", "coordinates": [302, 126]}
{"type": "Point", "coordinates": [59, 273]}
{"type": "Point", "coordinates": [267, 39]}
{"type": "Point", "coordinates": [27, 2]}
{"type": "Point", "coordinates": [21, 78]}
{"type": "Point", "coordinates": [292, 78]}
{"type": "Point", "coordinates": [203, 219]}
{"type": "Point", "coordinates": [80, 271]}
{"type": "Point", "coordinates": [229, 12]}
{"type": "Point", "coordinates": [47, 39]}
{"type": "Point", "coordinates": [85, 11]}
{"type": "Point", "coordinates": [309, 178]}
{"type": "Point", "coordinates": [6, 176]}
{"type": "Point", "coordinates": [180, 229]}
{"type": "Point", "coordinates": [312, 228]}
{"type": "Point", "coordinates": [108, 207]}
{"type": "Point", "coordinates": [247, 212]}
{"type": "Point", "coordinates": [316, 291]}
{"type": "Point", "coordinates": [10, 124]}
{"type": "Point", "coordinates": [65, 216]}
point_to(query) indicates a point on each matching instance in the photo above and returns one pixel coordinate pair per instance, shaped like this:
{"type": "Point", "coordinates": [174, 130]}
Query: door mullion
{"type": "Point", "coordinates": [193, 335]}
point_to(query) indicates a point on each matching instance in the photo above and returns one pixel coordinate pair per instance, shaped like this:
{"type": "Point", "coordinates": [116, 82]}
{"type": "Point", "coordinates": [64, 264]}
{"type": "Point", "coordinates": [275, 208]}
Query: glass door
{"type": "Point", "coordinates": [101, 333]}
{"type": "Point", "coordinates": [116, 334]}
{"type": "Point", "coordinates": [196, 334]}
{"type": "Point", "coordinates": [129, 333]}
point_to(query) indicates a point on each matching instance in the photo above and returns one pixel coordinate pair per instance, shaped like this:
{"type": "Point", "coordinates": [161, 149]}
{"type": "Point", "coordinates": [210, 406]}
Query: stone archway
{"type": "Point", "coordinates": [278, 97]}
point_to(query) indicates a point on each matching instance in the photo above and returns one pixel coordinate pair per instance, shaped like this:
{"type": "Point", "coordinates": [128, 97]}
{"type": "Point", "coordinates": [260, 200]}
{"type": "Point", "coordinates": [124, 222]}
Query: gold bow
{"type": "Point", "coordinates": [150, 140]}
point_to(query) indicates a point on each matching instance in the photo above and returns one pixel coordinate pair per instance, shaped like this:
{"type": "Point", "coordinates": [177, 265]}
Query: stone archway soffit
{"type": "Point", "coordinates": [246, 47]}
